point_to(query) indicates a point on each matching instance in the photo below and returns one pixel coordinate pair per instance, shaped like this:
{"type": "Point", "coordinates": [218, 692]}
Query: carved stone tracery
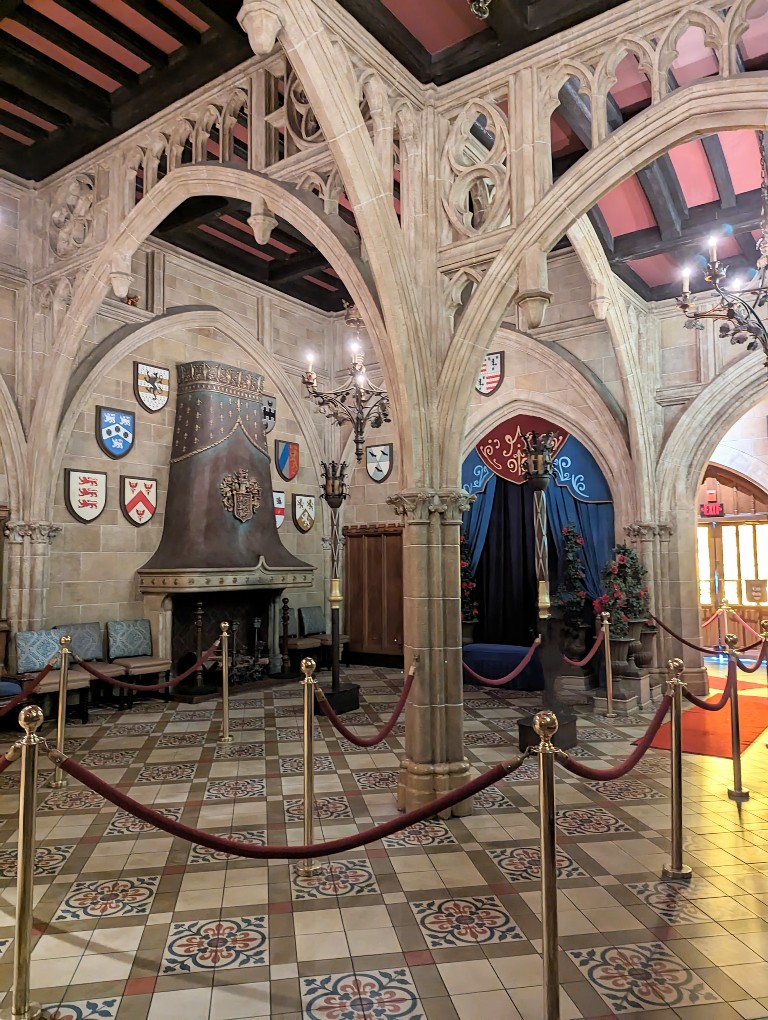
{"type": "Point", "coordinates": [72, 215]}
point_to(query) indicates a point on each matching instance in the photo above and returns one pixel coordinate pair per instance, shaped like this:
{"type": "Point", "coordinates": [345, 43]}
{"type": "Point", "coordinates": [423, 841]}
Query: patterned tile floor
{"type": "Point", "coordinates": [440, 922]}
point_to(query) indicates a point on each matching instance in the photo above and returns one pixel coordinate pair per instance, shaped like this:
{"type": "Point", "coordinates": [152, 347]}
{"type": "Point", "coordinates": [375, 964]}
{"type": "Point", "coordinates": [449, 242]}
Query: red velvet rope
{"type": "Point", "coordinates": [352, 737]}
{"type": "Point", "coordinates": [744, 624]}
{"type": "Point", "coordinates": [712, 618]}
{"type": "Point", "coordinates": [578, 769]}
{"type": "Point", "coordinates": [758, 660]}
{"type": "Point", "coordinates": [699, 648]}
{"type": "Point", "coordinates": [590, 655]}
{"type": "Point", "coordinates": [510, 676]}
{"type": "Point", "coordinates": [29, 689]}
{"type": "Point", "coordinates": [146, 687]}
{"type": "Point", "coordinates": [5, 761]}
{"type": "Point", "coordinates": [334, 846]}
{"type": "Point", "coordinates": [715, 706]}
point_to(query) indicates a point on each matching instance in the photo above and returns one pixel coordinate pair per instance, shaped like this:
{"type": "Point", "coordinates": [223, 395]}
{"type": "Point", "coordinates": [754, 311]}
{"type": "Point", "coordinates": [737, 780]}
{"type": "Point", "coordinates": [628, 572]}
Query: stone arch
{"type": "Point", "coordinates": [744, 464]}
{"type": "Point", "coordinates": [711, 25]}
{"type": "Point", "coordinates": [336, 240]}
{"type": "Point", "coordinates": [610, 455]}
{"type": "Point", "coordinates": [696, 110]}
{"type": "Point", "coordinates": [605, 75]}
{"type": "Point", "coordinates": [126, 339]}
{"type": "Point", "coordinates": [13, 445]}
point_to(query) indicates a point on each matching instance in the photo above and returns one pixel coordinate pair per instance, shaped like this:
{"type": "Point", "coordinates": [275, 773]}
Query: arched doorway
{"type": "Point", "coordinates": [499, 532]}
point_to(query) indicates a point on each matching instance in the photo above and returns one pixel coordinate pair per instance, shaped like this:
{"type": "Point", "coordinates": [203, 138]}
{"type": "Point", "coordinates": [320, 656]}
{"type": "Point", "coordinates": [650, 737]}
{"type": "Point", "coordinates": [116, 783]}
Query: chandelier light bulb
{"type": "Point", "coordinates": [686, 280]}
{"type": "Point", "coordinates": [713, 249]}
{"type": "Point", "coordinates": [360, 379]}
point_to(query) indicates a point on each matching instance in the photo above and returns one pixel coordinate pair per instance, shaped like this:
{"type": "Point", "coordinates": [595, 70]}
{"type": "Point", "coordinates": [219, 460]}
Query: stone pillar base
{"type": "Point", "coordinates": [420, 783]}
{"type": "Point", "coordinates": [622, 706]}
{"type": "Point", "coordinates": [638, 687]}
{"type": "Point", "coordinates": [696, 678]}
{"type": "Point", "coordinates": [576, 688]}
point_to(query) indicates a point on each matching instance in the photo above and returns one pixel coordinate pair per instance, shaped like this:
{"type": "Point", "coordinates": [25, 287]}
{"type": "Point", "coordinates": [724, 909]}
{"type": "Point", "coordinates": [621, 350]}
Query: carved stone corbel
{"type": "Point", "coordinates": [262, 23]}
{"type": "Point", "coordinates": [261, 221]}
{"type": "Point", "coordinates": [16, 532]}
{"type": "Point", "coordinates": [120, 276]}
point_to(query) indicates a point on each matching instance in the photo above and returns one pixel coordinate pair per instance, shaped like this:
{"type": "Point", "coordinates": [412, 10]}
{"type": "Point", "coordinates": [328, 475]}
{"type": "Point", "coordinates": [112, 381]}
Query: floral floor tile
{"type": "Point", "coordinates": [588, 822]}
{"type": "Point", "coordinates": [239, 751]}
{"type": "Point", "coordinates": [108, 759]}
{"type": "Point", "coordinates": [597, 734]}
{"type": "Point", "coordinates": [362, 996]}
{"type": "Point", "coordinates": [528, 772]}
{"type": "Point", "coordinates": [132, 729]}
{"type": "Point", "coordinates": [222, 943]}
{"type": "Point", "coordinates": [125, 824]}
{"type": "Point", "coordinates": [235, 789]}
{"type": "Point", "coordinates": [492, 799]}
{"type": "Point", "coordinates": [246, 724]}
{"type": "Point", "coordinates": [72, 800]}
{"type": "Point", "coordinates": [643, 977]}
{"type": "Point", "coordinates": [238, 702]}
{"type": "Point", "coordinates": [669, 902]}
{"type": "Point", "coordinates": [178, 772]}
{"type": "Point", "coordinates": [288, 711]}
{"type": "Point", "coordinates": [49, 860]}
{"type": "Point", "coordinates": [625, 789]}
{"type": "Point", "coordinates": [384, 779]}
{"type": "Point", "coordinates": [359, 719]}
{"type": "Point", "coordinates": [90, 1009]}
{"type": "Point", "coordinates": [194, 715]}
{"type": "Point", "coordinates": [653, 765]}
{"type": "Point", "coordinates": [325, 808]}
{"type": "Point", "coordinates": [199, 854]}
{"type": "Point", "coordinates": [432, 832]}
{"type": "Point", "coordinates": [337, 878]}
{"type": "Point", "coordinates": [295, 766]}
{"type": "Point", "coordinates": [485, 738]}
{"type": "Point", "coordinates": [121, 897]}
{"type": "Point", "coordinates": [73, 744]}
{"type": "Point", "coordinates": [465, 921]}
{"type": "Point", "coordinates": [523, 864]}
{"type": "Point", "coordinates": [181, 740]}
{"type": "Point", "coordinates": [285, 733]}
{"type": "Point", "coordinates": [349, 748]}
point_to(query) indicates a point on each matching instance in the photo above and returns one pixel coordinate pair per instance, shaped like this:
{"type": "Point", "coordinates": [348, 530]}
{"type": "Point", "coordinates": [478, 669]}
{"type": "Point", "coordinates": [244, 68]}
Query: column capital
{"type": "Point", "coordinates": [645, 531]}
{"type": "Point", "coordinates": [39, 532]}
{"type": "Point", "coordinates": [419, 506]}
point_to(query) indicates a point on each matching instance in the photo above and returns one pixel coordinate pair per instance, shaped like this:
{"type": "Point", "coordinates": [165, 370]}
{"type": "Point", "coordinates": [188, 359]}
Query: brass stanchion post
{"type": "Point", "coordinates": [59, 780]}
{"type": "Point", "coordinates": [545, 724]}
{"type": "Point", "coordinates": [30, 719]}
{"type": "Point", "coordinates": [308, 666]}
{"type": "Point", "coordinates": [225, 737]}
{"type": "Point", "coordinates": [737, 791]}
{"type": "Point", "coordinates": [676, 871]}
{"type": "Point", "coordinates": [606, 621]}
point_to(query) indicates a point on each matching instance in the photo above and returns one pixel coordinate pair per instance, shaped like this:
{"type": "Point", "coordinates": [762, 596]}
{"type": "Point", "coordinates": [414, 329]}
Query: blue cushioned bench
{"type": "Point", "coordinates": [496, 661]}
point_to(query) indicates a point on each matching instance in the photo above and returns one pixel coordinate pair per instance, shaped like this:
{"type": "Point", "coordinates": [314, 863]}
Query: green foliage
{"type": "Point", "coordinates": [469, 607]}
{"type": "Point", "coordinates": [625, 590]}
{"type": "Point", "coordinates": [571, 594]}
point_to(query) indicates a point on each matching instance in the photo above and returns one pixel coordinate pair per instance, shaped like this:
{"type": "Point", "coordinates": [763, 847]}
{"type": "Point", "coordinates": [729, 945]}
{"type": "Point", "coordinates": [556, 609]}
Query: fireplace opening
{"type": "Point", "coordinates": [196, 624]}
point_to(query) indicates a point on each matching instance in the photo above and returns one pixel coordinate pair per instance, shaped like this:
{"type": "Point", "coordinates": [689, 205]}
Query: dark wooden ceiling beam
{"type": "Point", "coordinates": [73, 44]}
{"type": "Point", "coordinates": [703, 220]}
{"type": "Point", "coordinates": [220, 15]}
{"type": "Point", "coordinates": [747, 244]}
{"type": "Point", "coordinates": [720, 172]}
{"type": "Point", "coordinates": [550, 16]}
{"type": "Point", "coordinates": [23, 127]}
{"type": "Point", "coordinates": [47, 80]}
{"type": "Point", "coordinates": [163, 18]}
{"type": "Point", "coordinates": [508, 19]}
{"type": "Point", "coordinates": [382, 24]}
{"type": "Point", "coordinates": [114, 29]}
{"type": "Point", "coordinates": [9, 7]}
{"type": "Point", "coordinates": [295, 268]}
{"type": "Point", "coordinates": [24, 101]}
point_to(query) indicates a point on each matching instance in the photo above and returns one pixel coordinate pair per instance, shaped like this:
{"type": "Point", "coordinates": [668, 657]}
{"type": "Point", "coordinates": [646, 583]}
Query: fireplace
{"type": "Point", "coordinates": [198, 617]}
{"type": "Point", "coordinates": [220, 544]}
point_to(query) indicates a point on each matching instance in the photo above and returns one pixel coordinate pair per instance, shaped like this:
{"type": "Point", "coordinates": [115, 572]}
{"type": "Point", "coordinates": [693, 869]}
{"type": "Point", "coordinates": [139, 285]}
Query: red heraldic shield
{"type": "Point", "coordinates": [138, 499]}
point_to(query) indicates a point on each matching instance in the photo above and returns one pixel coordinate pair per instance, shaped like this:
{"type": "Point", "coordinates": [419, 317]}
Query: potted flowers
{"type": "Point", "coordinates": [625, 597]}
{"type": "Point", "coordinates": [571, 594]}
{"type": "Point", "coordinates": [469, 607]}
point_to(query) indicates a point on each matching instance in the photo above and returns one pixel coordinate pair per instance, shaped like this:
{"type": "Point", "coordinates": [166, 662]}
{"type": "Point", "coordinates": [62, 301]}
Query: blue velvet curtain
{"type": "Point", "coordinates": [595, 523]}
{"type": "Point", "coordinates": [478, 480]}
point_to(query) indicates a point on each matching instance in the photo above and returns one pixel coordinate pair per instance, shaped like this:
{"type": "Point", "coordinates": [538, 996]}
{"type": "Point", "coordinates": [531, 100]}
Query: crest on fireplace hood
{"type": "Point", "coordinates": [240, 495]}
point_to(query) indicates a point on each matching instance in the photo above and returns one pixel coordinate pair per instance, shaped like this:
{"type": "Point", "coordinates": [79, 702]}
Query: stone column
{"type": "Point", "coordinates": [434, 759]}
{"type": "Point", "coordinates": [29, 546]}
{"type": "Point", "coordinates": [683, 614]}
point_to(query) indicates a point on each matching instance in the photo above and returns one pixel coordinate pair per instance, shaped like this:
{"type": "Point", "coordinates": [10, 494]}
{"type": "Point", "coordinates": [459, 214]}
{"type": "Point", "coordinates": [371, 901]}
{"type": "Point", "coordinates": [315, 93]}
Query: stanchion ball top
{"type": "Point", "coordinates": [545, 724]}
{"type": "Point", "coordinates": [676, 667]}
{"type": "Point", "coordinates": [764, 629]}
{"type": "Point", "coordinates": [308, 666]}
{"type": "Point", "coordinates": [224, 626]}
{"type": "Point", "coordinates": [731, 640]}
{"type": "Point", "coordinates": [65, 640]}
{"type": "Point", "coordinates": [31, 719]}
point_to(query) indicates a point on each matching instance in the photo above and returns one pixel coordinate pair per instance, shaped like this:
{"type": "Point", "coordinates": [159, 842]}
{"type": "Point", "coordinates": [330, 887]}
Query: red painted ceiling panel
{"type": "Point", "coordinates": [15, 135]}
{"type": "Point", "coordinates": [185, 14]}
{"type": "Point", "coordinates": [59, 16]}
{"type": "Point", "coordinates": [754, 42]}
{"type": "Point", "coordinates": [234, 241]}
{"type": "Point", "coordinates": [320, 283]}
{"type": "Point", "coordinates": [656, 270]}
{"type": "Point", "coordinates": [695, 59]}
{"type": "Point", "coordinates": [437, 24]}
{"type": "Point", "coordinates": [26, 115]}
{"type": "Point", "coordinates": [61, 56]}
{"type": "Point", "coordinates": [126, 14]}
{"type": "Point", "coordinates": [626, 209]}
{"type": "Point", "coordinates": [694, 173]}
{"type": "Point", "coordinates": [742, 154]}
{"type": "Point", "coordinates": [632, 86]}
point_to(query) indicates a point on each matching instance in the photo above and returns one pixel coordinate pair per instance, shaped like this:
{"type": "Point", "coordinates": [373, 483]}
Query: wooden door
{"type": "Point", "coordinates": [374, 589]}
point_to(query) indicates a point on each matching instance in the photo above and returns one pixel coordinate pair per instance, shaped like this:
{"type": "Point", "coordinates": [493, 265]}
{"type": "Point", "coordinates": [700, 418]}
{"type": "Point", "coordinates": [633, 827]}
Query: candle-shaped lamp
{"type": "Point", "coordinates": [686, 281]}
{"type": "Point", "coordinates": [713, 249]}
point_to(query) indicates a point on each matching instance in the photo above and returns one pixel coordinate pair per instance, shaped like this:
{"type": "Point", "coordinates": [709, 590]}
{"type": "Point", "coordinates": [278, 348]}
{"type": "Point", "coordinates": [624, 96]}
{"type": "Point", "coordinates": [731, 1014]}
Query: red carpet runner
{"type": "Point", "coordinates": [710, 732]}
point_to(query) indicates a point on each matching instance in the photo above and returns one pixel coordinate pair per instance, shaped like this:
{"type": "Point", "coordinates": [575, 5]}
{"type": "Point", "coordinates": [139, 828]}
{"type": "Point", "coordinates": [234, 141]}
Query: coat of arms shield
{"type": "Point", "coordinates": [151, 385]}
{"type": "Point", "coordinates": [85, 493]}
{"type": "Point", "coordinates": [269, 410]}
{"type": "Point", "coordinates": [241, 495]}
{"type": "Point", "coordinates": [279, 499]}
{"type": "Point", "coordinates": [115, 431]}
{"type": "Point", "coordinates": [304, 508]}
{"type": "Point", "coordinates": [491, 374]}
{"type": "Point", "coordinates": [379, 461]}
{"type": "Point", "coordinates": [287, 459]}
{"type": "Point", "coordinates": [138, 499]}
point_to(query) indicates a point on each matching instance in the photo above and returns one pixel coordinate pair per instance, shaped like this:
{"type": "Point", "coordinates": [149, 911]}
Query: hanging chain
{"type": "Point", "coordinates": [762, 244]}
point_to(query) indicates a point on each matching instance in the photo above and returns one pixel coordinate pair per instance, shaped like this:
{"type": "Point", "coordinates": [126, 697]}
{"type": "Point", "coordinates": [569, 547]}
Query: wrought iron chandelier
{"type": "Point", "coordinates": [360, 403]}
{"type": "Point", "coordinates": [737, 307]}
{"type": "Point", "coordinates": [480, 8]}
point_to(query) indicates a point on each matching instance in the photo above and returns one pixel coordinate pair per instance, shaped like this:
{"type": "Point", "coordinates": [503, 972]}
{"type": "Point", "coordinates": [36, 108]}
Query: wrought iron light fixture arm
{"type": "Point", "coordinates": [360, 403]}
